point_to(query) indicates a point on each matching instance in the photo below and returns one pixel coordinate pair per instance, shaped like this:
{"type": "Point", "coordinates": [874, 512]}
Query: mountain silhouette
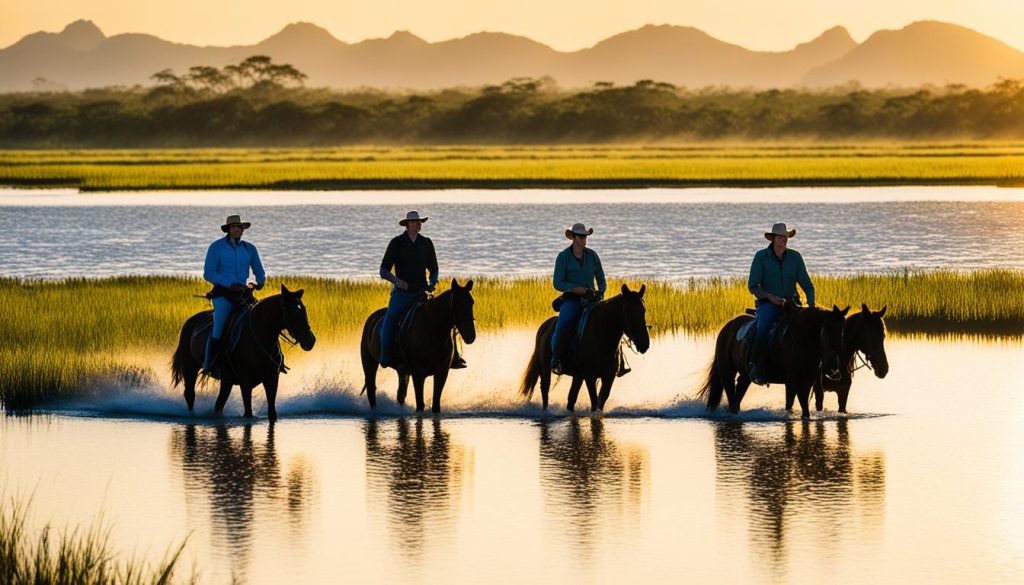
{"type": "Point", "coordinates": [82, 56]}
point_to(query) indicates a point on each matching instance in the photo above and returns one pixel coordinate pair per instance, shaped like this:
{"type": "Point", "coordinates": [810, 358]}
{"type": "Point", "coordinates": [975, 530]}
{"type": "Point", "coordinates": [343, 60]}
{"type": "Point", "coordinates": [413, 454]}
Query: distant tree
{"type": "Point", "coordinates": [208, 79]}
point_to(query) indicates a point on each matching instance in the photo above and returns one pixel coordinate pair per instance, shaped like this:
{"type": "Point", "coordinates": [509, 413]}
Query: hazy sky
{"type": "Point", "coordinates": [563, 24]}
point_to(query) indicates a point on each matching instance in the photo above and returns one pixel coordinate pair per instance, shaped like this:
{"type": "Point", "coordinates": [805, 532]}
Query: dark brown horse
{"type": "Point", "coordinates": [426, 349]}
{"type": "Point", "coordinates": [597, 357]}
{"type": "Point", "coordinates": [809, 348]}
{"type": "Point", "coordinates": [864, 333]}
{"type": "Point", "coordinates": [257, 359]}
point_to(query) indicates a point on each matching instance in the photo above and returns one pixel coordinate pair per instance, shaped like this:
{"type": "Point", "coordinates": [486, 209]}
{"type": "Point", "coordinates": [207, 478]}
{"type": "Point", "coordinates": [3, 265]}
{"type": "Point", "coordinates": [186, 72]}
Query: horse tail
{"type": "Point", "coordinates": [533, 368]}
{"type": "Point", "coordinates": [182, 355]}
{"type": "Point", "coordinates": [712, 388]}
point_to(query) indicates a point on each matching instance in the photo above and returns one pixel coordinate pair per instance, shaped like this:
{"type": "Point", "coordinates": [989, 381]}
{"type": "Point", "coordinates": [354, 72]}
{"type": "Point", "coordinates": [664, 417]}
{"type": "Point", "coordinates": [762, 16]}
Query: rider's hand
{"type": "Point", "coordinates": [430, 288]}
{"type": "Point", "coordinates": [258, 286]}
{"type": "Point", "coordinates": [402, 285]}
{"type": "Point", "coordinates": [777, 301]}
{"type": "Point", "coordinates": [236, 287]}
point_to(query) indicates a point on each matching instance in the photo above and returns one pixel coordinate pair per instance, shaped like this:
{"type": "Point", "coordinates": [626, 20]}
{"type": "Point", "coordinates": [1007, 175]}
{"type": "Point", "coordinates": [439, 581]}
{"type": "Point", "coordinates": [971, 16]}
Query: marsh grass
{"type": "Point", "coordinates": [80, 556]}
{"type": "Point", "coordinates": [57, 338]}
{"type": "Point", "coordinates": [503, 166]}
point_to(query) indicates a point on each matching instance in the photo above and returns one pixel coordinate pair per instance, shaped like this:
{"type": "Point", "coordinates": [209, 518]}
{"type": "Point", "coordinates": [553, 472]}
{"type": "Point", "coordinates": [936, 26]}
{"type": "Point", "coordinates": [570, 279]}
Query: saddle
{"type": "Point", "coordinates": [405, 321]}
{"type": "Point", "coordinates": [745, 334]}
{"type": "Point", "coordinates": [232, 331]}
{"type": "Point", "coordinates": [575, 337]}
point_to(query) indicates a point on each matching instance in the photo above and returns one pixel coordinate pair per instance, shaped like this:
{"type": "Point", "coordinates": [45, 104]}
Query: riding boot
{"type": "Point", "coordinates": [210, 359]}
{"type": "Point", "coordinates": [623, 366]}
{"type": "Point", "coordinates": [758, 353]}
{"type": "Point", "coordinates": [556, 356]}
{"type": "Point", "coordinates": [458, 362]}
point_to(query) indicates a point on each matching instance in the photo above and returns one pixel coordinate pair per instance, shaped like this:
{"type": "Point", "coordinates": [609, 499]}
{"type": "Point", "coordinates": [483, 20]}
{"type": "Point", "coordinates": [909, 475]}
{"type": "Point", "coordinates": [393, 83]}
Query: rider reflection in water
{"type": "Point", "coordinates": [774, 274]}
{"type": "Point", "coordinates": [412, 256]}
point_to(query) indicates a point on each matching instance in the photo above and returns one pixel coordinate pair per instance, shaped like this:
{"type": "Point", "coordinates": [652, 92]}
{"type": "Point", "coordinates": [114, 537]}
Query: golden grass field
{"type": "Point", "coordinates": [975, 163]}
{"type": "Point", "coordinates": [56, 336]}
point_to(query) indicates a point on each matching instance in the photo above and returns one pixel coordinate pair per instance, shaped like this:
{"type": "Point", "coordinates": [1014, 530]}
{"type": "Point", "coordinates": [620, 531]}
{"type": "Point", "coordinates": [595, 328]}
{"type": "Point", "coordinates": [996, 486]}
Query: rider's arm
{"type": "Point", "coordinates": [602, 284]}
{"type": "Point", "coordinates": [804, 280]}
{"type": "Point", "coordinates": [210, 273]}
{"type": "Point", "coordinates": [388, 262]}
{"type": "Point", "coordinates": [559, 279]}
{"type": "Point", "coordinates": [755, 279]}
{"type": "Point", "coordinates": [257, 267]}
{"type": "Point", "coordinates": [432, 266]}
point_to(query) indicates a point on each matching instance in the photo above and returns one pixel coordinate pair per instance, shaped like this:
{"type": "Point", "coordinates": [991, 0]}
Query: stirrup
{"type": "Point", "coordinates": [458, 363]}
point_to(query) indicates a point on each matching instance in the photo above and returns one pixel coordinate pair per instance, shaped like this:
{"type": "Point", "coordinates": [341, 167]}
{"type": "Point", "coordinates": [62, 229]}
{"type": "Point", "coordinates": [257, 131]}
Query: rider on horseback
{"type": "Point", "coordinates": [774, 274]}
{"type": "Point", "coordinates": [576, 269]}
{"type": "Point", "coordinates": [412, 256]}
{"type": "Point", "coordinates": [227, 266]}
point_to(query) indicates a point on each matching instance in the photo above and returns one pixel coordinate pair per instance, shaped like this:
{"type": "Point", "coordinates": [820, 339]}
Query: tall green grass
{"type": "Point", "coordinates": [58, 337]}
{"type": "Point", "coordinates": [81, 556]}
{"type": "Point", "coordinates": [498, 166]}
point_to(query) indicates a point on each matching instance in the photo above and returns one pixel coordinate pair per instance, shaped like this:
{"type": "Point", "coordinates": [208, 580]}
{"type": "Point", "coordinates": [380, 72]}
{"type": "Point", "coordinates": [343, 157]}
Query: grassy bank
{"type": "Point", "coordinates": [74, 556]}
{"type": "Point", "coordinates": [978, 163]}
{"type": "Point", "coordinates": [56, 337]}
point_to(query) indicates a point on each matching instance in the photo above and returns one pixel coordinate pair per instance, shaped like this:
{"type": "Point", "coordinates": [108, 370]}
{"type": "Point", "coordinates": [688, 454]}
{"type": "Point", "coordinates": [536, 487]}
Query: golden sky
{"type": "Point", "coordinates": [562, 24]}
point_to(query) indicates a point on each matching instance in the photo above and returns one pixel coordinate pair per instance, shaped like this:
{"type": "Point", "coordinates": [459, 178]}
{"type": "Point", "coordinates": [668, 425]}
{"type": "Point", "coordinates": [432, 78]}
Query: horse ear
{"type": "Point", "coordinates": [469, 285]}
{"type": "Point", "coordinates": [298, 293]}
{"type": "Point", "coordinates": [625, 288]}
{"type": "Point", "coordinates": [835, 308]}
{"type": "Point", "coordinates": [643, 289]}
{"type": "Point", "coordinates": [882, 312]}
{"type": "Point", "coordinates": [455, 283]}
{"type": "Point", "coordinates": [284, 290]}
{"type": "Point", "coordinates": [845, 311]}
{"type": "Point", "coordinates": [864, 308]}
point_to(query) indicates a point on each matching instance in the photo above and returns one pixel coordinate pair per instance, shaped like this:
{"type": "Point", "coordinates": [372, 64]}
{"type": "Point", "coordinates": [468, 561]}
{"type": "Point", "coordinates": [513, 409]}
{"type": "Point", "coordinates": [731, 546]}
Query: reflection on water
{"type": "Point", "coordinates": [589, 480]}
{"type": "Point", "coordinates": [799, 473]}
{"type": "Point", "coordinates": [228, 477]}
{"type": "Point", "coordinates": [419, 474]}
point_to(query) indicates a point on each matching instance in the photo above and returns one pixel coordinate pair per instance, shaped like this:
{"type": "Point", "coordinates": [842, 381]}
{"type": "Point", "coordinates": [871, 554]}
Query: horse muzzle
{"type": "Point", "coordinates": [307, 344]}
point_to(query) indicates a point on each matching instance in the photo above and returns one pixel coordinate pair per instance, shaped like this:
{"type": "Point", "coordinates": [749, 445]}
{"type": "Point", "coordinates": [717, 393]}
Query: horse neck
{"type": "Point", "coordinates": [806, 327]}
{"type": "Point", "coordinates": [437, 313]}
{"type": "Point", "coordinates": [853, 336]}
{"type": "Point", "coordinates": [607, 316]}
{"type": "Point", "coordinates": [268, 317]}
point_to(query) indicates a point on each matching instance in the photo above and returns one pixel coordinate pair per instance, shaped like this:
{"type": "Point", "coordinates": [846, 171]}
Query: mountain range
{"type": "Point", "coordinates": [925, 52]}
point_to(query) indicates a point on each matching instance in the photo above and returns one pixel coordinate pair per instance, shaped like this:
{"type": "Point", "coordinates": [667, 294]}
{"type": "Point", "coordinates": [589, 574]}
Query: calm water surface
{"type": "Point", "coordinates": [922, 482]}
{"type": "Point", "coordinates": [665, 234]}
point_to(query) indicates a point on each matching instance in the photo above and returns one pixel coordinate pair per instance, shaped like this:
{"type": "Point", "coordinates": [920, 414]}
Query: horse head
{"type": "Point", "coordinates": [832, 341]}
{"type": "Point", "coordinates": [462, 310]}
{"type": "Point", "coordinates": [295, 320]}
{"type": "Point", "coordinates": [871, 340]}
{"type": "Point", "coordinates": [634, 317]}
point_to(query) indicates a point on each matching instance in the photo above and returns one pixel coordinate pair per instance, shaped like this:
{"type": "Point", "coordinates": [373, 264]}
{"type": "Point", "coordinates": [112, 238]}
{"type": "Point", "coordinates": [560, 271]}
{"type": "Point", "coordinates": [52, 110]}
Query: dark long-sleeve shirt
{"type": "Point", "coordinates": [570, 272]}
{"type": "Point", "coordinates": [411, 261]}
{"type": "Point", "coordinates": [769, 274]}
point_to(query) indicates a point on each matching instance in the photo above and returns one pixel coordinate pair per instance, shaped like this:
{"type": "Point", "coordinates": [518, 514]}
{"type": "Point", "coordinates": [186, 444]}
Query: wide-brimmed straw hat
{"type": "Point", "coordinates": [779, 229]}
{"type": "Point", "coordinates": [234, 220]}
{"type": "Point", "coordinates": [578, 229]}
{"type": "Point", "coordinates": [412, 216]}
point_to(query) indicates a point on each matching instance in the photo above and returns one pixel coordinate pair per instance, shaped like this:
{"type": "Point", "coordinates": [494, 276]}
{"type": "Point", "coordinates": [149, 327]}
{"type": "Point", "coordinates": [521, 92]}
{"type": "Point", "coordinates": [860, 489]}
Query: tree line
{"type": "Point", "coordinates": [260, 103]}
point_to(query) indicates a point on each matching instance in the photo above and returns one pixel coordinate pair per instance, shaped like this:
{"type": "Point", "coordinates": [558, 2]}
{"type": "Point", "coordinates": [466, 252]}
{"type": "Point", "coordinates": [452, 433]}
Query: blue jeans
{"type": "Point", "coordinates": [767, 315]}
{"type": "Point", "coordinates": [221, 312]}
{"type": "Point", "coordinates": [397, 304]}
{"type": "Point", "coordinates": [567, 315]}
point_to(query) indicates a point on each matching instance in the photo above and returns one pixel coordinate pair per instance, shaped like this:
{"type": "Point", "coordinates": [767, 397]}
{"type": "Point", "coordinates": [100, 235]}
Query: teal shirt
{"type": "Point", "coordinates": [570, 273]}
{"type": "Point", "coordinates": [780, 277]}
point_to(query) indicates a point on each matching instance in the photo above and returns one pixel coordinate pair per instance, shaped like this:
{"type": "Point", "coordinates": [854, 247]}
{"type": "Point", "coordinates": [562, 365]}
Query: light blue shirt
{"type": "Point", "coordinates": [570, 272]}
{"type": "Point", "coordinates": [228, 262]}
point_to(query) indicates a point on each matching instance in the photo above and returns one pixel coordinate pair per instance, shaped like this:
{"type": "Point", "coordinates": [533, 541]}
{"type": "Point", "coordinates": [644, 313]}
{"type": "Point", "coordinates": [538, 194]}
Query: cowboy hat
{"type": "Point", "coordinates": [578, 229]}
{"type": "Point", "coordinates": [234, 220]}
{"type": "Point", "coordinates": [779, 229]}
{"type": "Point", "coordinates": [412, 216]}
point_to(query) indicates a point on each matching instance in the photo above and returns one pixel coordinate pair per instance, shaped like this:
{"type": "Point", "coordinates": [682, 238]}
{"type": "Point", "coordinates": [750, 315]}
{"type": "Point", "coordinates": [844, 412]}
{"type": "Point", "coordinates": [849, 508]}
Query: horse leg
{"type": "Point", "coordinates": [595, 402]}
{"type": "Point", "coordinates": [742, 385]}
{"type": "Point", "coordinates": [222, 398]}
{"type": "Point", "coordinates": [819, 394]}
{"type": "Point", "coordinates": [606, 390]}
{"type": "Point", "coordinates": [790, 397]}
{"type": "Point", "coordinates": [270, 388]}
{"type": "Point", "coordinates": [246, 400]}
{"type": "Point", "coordinates": [403, 387]}
{"type": "Point", "coordinates": [188, 378]}
{"type": "Point", "coordinates": [843, 393]}
{"type": "Point", "coordinates": [729, 383]}
{"type": "Point", "coordinates": [417, 384]}
{"type": "Point", "coordinates": [439, 379]}
{"type": "Point", "coordinates": [370, 366]}
{"type": "Point", "coordinates": [803, 392]}
{"type": "Point", "coordinates": [545, 385]}
{"type": "Point", "coordinates": [574, 392]}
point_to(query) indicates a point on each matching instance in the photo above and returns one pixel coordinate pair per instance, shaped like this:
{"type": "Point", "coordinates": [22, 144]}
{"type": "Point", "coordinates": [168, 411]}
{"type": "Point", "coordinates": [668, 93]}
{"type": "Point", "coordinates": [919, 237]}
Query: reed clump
{"type": "Point", "coordinates": [80, 556]}
{"type": "Point", "coordinates": [58, 338]}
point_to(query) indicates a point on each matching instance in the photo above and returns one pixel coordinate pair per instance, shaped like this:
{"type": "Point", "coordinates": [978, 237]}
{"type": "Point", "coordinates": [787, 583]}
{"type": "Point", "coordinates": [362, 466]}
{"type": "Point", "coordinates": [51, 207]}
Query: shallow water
{"type": "Point", "coordinates": [920, 483]}
{"type": "Point", "coordinates": [663, 234]}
